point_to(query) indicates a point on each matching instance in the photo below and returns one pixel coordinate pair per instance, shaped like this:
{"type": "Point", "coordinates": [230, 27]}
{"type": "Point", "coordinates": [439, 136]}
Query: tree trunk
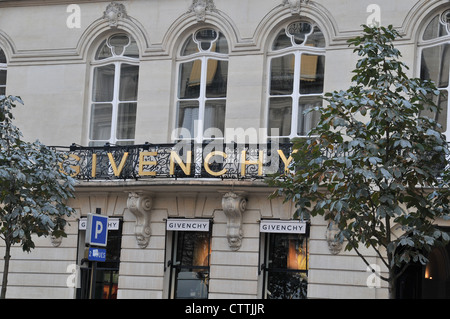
{"type": "Point", "coordinates": [5, 270]}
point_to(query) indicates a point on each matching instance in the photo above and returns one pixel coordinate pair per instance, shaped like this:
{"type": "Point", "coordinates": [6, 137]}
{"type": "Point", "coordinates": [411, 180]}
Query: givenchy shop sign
{"type": "Point", "coordinates": [178, 160]}
{"type": "Point", "coordinates": [282, 226]}
{"type": "Point", "coordinates": [187, 224]}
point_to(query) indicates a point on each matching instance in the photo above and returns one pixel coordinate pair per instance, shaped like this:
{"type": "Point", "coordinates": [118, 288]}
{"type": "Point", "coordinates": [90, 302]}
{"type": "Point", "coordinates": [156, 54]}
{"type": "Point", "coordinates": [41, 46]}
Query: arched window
{"type": "Point", "coordinates": [434, 50]}
{"type": "Point", "coordinates": [295, 82]}
{"type": "Point", "coordinates": [113, 100]}
{"type": "Point", "coordinates": [2, 73]}
{"type": "Point", "coordinates": [202, 86]}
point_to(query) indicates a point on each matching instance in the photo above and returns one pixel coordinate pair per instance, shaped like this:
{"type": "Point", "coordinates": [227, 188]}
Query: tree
{"type": "Point", "coordinates": [33, 188]}
{"type": "Point", "coordinates": [374, 165]}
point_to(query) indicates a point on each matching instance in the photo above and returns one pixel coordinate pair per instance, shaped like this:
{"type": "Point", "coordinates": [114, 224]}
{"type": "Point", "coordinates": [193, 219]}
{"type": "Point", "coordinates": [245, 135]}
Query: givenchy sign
{"type": "Point", "coordinates": [282, 226]}
{"type": "Point", "coordinates": [149, 160]}
{"type": "Point", "coordinates": [187, 224]}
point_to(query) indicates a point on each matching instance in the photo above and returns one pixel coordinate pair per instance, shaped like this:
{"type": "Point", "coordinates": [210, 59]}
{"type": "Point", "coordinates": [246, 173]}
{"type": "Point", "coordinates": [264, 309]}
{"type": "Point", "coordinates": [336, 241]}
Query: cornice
{"type": "Point", "coordinates": [32, 3]}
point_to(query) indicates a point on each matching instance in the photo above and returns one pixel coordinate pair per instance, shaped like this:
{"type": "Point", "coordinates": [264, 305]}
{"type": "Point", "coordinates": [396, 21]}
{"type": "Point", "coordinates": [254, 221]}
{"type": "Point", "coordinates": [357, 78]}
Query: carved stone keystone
{"type": "Point", "coordinates": [295, 5]}
{"type": "Point", "coordinates": [113, 13]}
{"type": "Point", "coordinates": [140, 205]}
{"type": "Point", "coordinates": [233, 206]}
{"type": "Point", "coordinates": [200, 7]}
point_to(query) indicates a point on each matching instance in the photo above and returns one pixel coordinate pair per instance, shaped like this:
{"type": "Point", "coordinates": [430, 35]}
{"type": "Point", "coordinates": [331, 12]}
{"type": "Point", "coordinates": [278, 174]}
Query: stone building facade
{"type": "Point", "coordinates": [170, 110]}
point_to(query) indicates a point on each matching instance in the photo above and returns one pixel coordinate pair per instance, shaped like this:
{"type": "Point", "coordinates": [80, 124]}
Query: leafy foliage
{"type": "Point", "coordinates": [373, 164]}
{"type": "Point", "coordinates": [33, 188]}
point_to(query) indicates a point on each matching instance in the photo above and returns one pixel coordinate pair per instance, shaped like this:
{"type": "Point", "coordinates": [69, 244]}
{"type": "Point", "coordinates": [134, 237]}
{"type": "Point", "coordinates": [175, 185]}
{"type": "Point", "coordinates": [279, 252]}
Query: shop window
{"type": "Point", "coordinates": [202, 85]}
{"type": "Point", "coordinates": [285, 266]}
{"type": "Point", "coordinates": [113, 100]}
{"type": "Point", "coordinates": [296, 79]}
{"type": "Point", "coordinates": [435, 65]}
{"type": "Point", "coordinates": [104, 275]}
{"type": "Point", "coordinates": [190, 263]}
{"type": "Point", "coordinates": [2, 73]}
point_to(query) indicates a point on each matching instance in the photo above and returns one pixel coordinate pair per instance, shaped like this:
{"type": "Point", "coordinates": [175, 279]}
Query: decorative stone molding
{"type": "Point", "coordinates": [115, 12]}
{"type": "Point", "coordinates": [294, 5]}
{"type": "Point", "coordinates": [233, 206]}
{"type": "Point", "coordinates": [334, 243]}
{"type": "Point", "coordinates": [200, 7]}
{"type": "Point", "coordinates": [445, 19]}
{"type": "Point", "coordinates": [140, 205]}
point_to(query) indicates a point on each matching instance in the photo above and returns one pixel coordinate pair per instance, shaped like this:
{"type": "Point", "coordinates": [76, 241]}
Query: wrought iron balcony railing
{"type": "Point", "coordinates": [180, 160]}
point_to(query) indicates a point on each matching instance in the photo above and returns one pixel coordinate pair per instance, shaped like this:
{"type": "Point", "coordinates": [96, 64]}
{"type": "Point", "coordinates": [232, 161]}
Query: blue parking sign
{"type": "Point", "coordinates": [97, 230]}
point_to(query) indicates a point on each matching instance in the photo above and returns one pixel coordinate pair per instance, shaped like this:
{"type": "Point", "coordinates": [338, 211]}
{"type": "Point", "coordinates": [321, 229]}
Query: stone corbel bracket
{"type": "Point", "coordinates": [140, 205]}
{"type": "Point", "coordinates": [233, 205]}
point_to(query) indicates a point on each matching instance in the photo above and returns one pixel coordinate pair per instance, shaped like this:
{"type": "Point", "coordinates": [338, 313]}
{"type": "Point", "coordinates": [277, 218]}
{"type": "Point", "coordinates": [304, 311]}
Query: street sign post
{"type": "Point", "coordinates": [96, 235]}
{"type": "Point", "coordinates": [97, 230]}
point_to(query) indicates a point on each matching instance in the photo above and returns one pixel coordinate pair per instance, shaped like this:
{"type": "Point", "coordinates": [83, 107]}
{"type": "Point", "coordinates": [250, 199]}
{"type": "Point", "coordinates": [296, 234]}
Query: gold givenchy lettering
{"type": "Point", "coordinates": [175, 159]}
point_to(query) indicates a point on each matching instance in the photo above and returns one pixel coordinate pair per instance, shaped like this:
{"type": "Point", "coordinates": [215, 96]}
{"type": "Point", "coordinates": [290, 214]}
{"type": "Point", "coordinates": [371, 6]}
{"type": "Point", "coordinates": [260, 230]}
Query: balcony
{"type": "Point", "coordinates": [180, 160]}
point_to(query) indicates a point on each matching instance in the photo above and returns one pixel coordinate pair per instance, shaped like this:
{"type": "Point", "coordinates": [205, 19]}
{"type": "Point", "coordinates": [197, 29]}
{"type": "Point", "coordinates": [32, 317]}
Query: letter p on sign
{"type": "Point", "coordinates": [97, 230]}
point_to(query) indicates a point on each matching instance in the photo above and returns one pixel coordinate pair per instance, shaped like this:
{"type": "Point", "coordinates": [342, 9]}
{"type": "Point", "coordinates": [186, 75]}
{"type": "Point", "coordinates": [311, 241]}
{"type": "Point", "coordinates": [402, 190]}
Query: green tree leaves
{"type": "Point", "coordinates": [33, 190]}
{"type": "Point", "coordinates": [373, 161]}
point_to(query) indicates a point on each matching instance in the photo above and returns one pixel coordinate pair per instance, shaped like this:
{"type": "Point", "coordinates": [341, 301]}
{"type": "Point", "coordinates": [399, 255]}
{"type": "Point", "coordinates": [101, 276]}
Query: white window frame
{"type": "Point", "coordinates": [297, 51]}
{"type": "Point", "coordinates": [425, 44]}
{"type": "Point", "coordinates": [117, 61]}
{"type": "Point", "coordinates": [203, 56]}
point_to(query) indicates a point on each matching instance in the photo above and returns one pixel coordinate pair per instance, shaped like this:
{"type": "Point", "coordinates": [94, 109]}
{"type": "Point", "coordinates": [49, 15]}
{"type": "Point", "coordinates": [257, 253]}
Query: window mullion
{"type": "Point", "coordinates": [295, 94]}
{"type": "Point", "coordinates": [202, 99]}
{"type": "Point", "coordinates": [115, 103]}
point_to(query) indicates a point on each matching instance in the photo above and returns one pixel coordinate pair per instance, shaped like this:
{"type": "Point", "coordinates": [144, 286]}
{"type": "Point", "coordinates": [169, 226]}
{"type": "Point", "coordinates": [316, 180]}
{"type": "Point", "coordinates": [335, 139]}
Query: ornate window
{"type": "Point", "coordinates": [435, 64]}
{"type": "Point", "coordinates": [202, 86]}
{"type": "Point", "coordinates": [295, 82]}
{"type": "Point", "coordinates": [2, 73]}
{"type": "Point", "coordinates": [113, 100]}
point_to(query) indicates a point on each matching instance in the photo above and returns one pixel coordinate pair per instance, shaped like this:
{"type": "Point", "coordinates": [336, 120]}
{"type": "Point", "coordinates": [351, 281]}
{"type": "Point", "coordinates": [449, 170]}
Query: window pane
{"type": "Point", "coordinates": [190, 75]}
{"type": "Point", "coordinates": [129, 77]}
{"type": "Point", "coordinates": [103, 88]}
{"type": "Point", "coordinates": [441, 117]}
{"type": "Point", "coordinates": [215, 115]}
{"type": "Point", "coordinates": [282, 41]}
{"type": "Point", "coordinates": [2, 57]}
{"type": "Point", "coordinates": [221, 44]}
{"type": "Point", "coordinates": [126, 121]}
{"type": "Point", "coordinates": [118, 42]}
{"type": "Point", "coordinates": [189, 47]}
{"type": "Point", "coordinates": [311, 73]}
{"type": "Point", "coordinates": [101, 117]}
{"type": "Point", "coordinates": [103, 52]}
{"type": "Point", "coordinates": [288, 251]}
{"type": "Point", "coordinates": [307, 121]}
{"type": "Point", "coordinates": [192, 284]}
{"type": "Point", "coordinates": [132, 50]}
{"type": "Point", "coordinates": [187, 115]}
{"type": "Point", "coordinates": [316, 39]}
{"type": "Point", "coordinates": [216, 78]}
{"type": "Point", "coordinates": [280, 116]}
{"type": "Point", "coordinates": [287, 264]}
{"type": "Point", "coordinates": [435, 29]}
{"type": "Point", "coordinates": [2, 77]}
{"type": "Point", "coordinates": [285, 285]}
{"type": "Point", "coordinates": [282, 75]}
{"type": "Point", "coordinates": [299, 31]}
{"type": "Point", "coordinates": [193, 249]}
{"type": "Point", "coordinates": [435, 64]}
